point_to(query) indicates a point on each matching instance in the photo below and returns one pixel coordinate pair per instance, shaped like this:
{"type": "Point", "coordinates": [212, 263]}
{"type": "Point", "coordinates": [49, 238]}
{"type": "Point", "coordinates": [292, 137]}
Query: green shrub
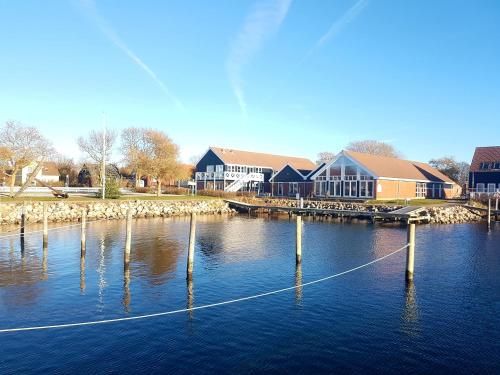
{"type": "Point", "coordinates": [112, 189]}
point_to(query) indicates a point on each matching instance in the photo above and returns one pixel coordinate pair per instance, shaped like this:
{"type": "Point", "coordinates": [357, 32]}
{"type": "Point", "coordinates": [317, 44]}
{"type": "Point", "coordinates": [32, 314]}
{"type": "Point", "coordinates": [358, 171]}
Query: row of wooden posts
{"type": "Point", "coordinates": [410, 258]}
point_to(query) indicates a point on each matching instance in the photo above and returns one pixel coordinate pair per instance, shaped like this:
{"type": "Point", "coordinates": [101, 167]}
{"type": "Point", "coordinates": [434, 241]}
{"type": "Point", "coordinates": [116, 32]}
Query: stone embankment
{"type": "Point", "coordinates": [10, 213]}
{"type": "Point", "coordinates": [445, 214]}
{"type": "Point", "coordinates": [452, 215]}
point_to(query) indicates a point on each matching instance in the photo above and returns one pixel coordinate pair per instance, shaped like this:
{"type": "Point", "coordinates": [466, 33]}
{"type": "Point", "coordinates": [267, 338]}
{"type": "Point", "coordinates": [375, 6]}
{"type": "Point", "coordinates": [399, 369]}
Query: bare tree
{"type": "Point", "coordinates": [22, 146]}
{"type": "Point", "coordinates": [457, 171]}
{"type": "Point", "coordinates": [325, 157]}
{"type": "Point", "coordinates": [92, 146]}
{"type": "Point", "coordinates": [67, 167]}
{"type": "Point", "coordinates": [161, 158]}
{"type": "Point", "coordinates": [370, 146]}
{"type": "Point", "coordinates": [133, 148]}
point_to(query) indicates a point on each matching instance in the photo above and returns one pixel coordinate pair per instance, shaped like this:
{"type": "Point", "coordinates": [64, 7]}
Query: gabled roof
{"type": "Point", "coordinates": [391, 168]}
{"type": "Point", "coordinates": [484, 154]}
{"type": "Point", "coordinates": [383, 166]}
{"type": "Point", "coordinates": [257, 159]}
{"type": "Point", "coordinates": [285, 167]}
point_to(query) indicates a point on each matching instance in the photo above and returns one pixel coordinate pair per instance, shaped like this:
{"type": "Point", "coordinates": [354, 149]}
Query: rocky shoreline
{"type": "Point", "coordinates": [10, 213]}
{"type": "Point", "coordinates": [446, 214]}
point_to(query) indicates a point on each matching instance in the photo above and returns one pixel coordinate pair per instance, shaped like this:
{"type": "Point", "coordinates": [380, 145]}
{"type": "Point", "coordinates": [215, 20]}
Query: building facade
{"type": "Point", "coordinates": [484, 174]}
{"type": "Point", "coordinates": [354, 175]}
{"type": "Point", "coordinates": [235, 170]}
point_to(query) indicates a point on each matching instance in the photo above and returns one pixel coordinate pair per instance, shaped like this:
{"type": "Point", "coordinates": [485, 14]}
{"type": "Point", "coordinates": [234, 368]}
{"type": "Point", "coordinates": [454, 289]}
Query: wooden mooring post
{"type": "Point", "coordinates": [192, 240]}
{"type": "Point", "coordinates": [45, 226]}
{"type": "Point", "coordinates": [410, 255]}
{"type": "Point", "coordinates": [23, 222]}
{"type": "Point", "coordinates": [488, 219]}
{"type": "Point", "coordinates": [298, 245]}
{"type": "Point", "coordinates": [128, 239]}
{"type": "Point", "coordinates": [83, 240]}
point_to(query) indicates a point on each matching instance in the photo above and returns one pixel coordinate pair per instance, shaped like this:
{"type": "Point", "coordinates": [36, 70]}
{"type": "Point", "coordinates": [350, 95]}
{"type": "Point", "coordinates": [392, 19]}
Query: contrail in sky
{"type": "Point", "coordinates": [107, 30]}
{"type": "Point", "coordinates": [265, 19]}
{"type": "Point", "coordinates": [336, 27]}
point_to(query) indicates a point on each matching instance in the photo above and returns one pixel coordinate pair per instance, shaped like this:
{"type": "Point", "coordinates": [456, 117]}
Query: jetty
{"type": "Point", "coordinates": [406, 214]}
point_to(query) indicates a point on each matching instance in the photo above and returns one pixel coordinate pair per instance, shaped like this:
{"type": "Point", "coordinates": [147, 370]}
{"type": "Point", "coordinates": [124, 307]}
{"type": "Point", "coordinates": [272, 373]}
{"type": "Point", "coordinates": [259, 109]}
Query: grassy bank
{"type": "Point", "coordinates": [413, 202]}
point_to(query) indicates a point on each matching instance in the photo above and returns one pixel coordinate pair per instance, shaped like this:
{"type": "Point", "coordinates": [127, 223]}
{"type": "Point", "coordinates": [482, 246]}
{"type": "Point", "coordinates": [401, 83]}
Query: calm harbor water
{"type": "Point", "coordinates": [447, 321]}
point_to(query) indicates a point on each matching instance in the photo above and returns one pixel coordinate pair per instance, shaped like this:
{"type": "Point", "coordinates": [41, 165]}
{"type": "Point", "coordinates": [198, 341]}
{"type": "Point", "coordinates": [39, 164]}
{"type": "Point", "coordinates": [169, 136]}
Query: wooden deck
{"type": "Point", "coordinates": [405, 214]}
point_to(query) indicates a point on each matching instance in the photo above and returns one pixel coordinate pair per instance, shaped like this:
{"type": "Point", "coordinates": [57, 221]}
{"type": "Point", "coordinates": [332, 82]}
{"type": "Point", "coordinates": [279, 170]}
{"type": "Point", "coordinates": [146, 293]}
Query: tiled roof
{"type": "Point", "coordinates": [257, 159]}
{"type": "Point", "coordinates": [50, 169]}
{"type": "Point", "coordinates": [383, 166]}
{"type": "Point", "coordinates": [484, 154]}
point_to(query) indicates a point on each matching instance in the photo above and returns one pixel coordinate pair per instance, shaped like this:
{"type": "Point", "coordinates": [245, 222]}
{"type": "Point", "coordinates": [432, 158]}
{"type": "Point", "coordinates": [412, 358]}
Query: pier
{"type": "Point", "coordinates": [405, 214]}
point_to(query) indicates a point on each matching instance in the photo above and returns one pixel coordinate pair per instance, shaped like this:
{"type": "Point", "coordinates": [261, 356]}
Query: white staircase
{"type": "Point", "coordinates": [240, 182]}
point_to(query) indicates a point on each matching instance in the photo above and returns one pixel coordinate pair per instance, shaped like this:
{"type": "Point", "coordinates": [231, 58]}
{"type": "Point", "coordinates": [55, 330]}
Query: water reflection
{"type": "Point", "coordinates": [82, 274]}
{"type": "Point", "coordinates": [410, 316]}
{"type": "Point", "coordinates": [126, 288]}
{"type": "Point", "coordinates": [159, 255]}
{"type": "Point", "coordinates": [190, 296]}
{"type": "Point", "coordinates": [24, 269]}
{"type": "Point", "coordinates": [298, 284]}
{"type": "Point", "coordinates": [45, 252]}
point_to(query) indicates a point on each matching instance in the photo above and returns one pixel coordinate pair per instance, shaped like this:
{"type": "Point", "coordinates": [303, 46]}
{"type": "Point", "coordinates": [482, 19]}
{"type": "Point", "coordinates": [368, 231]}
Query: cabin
{"type": "Point", "coordinates": [89, 174]}
{"type": "Point", "coordinates": [232, 170]}
{"type": "Point", "coordinates": [48, 173]}
{"type": "Point", "coordinates": [355, 175]}
{"type": "Point", "coordinates": [484, 174]}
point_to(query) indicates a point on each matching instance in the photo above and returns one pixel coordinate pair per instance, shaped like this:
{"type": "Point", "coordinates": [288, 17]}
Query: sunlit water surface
{"type": "Point", "coordinates": [369, 320]}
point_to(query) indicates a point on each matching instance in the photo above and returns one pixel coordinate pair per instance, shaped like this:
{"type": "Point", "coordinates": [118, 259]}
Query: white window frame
{"type": "Point", "coordinates": [421, 190]}
{"type": "Point", "coordinates": [293, 188]}
{"type": "Point", "coordinates": [210, 168]}
{"type": "Point", "coordinates": [480, 187]}
{"type": "Point", "coordinates": [368, 191]}
{"type": "Point", "coordinates": [280, 189]}
{"type": "Point", "coordinates": [350, 183]}
{"type": "Point", "coordinates": [491, 188]}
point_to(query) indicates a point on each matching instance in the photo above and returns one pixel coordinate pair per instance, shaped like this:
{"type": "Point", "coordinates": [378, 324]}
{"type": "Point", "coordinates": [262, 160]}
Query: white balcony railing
{"type": "Point", "coordinates": [239, 183]}
{"type": "Point", "coordinates": [232, 176]}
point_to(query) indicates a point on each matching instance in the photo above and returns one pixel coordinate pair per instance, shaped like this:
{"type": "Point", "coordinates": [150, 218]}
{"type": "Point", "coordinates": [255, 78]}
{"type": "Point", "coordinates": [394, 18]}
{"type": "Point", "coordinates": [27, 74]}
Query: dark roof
{"type": "Point", "coordinates": [258, 159]}
{"type": "Point", "coordinates": [484, 154]}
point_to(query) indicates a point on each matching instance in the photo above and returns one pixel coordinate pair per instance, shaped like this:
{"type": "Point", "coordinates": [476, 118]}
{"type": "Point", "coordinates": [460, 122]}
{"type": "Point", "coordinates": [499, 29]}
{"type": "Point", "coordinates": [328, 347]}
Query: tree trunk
{"type": "Point", "coordinates": [12, 181]}
{"type": "Point", "coordinates": [29, 180]}
{"type": "Point", "coordinates": [158, 187]}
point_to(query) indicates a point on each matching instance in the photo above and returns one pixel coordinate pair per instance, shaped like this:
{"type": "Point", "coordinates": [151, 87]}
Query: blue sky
{"type": "Point", "coordinates": [283, 76]}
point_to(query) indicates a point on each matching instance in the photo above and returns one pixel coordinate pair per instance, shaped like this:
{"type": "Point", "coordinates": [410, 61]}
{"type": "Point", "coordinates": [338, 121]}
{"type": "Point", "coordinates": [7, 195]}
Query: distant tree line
{"type": "Point", "coordinates": [146, 153]}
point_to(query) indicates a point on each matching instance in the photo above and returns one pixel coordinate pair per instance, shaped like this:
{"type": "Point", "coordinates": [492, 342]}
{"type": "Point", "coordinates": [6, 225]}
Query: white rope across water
{"type": "Point", "coordinates": [171, 312]}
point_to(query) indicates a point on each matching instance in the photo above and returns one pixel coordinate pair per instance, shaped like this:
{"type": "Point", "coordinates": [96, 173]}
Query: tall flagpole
{"type": "Point", "coordinates": [103, 163]}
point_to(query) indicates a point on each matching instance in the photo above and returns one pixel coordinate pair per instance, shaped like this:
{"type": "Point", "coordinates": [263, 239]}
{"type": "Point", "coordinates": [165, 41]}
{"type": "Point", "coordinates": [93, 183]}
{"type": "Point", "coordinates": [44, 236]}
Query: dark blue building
{"type": "Point", "coordinates": [235, 170]}
{"type": "Point", "coordinates": [484, 175]}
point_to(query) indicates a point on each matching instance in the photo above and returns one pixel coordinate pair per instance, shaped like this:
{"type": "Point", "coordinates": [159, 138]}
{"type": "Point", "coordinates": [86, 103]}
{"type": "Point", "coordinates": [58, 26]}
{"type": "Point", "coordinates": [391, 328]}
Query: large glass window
{"type": "Point", "coordinates": [366, 189]}
{"type": "Point", "coordinates": [350, 189]}
{"type": "Point", "coordinates": [335, 188]}
{"type": "Point", "coordinates": [219, 168]}
{"type": "Point", "coordinates": [491, 188]}
{"type": "Point", "coordinates": [293, 188]}
{"type": "Point", "coordinates": [480, 188]}
{"type": "Point", "coordinates": [210, 168]}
